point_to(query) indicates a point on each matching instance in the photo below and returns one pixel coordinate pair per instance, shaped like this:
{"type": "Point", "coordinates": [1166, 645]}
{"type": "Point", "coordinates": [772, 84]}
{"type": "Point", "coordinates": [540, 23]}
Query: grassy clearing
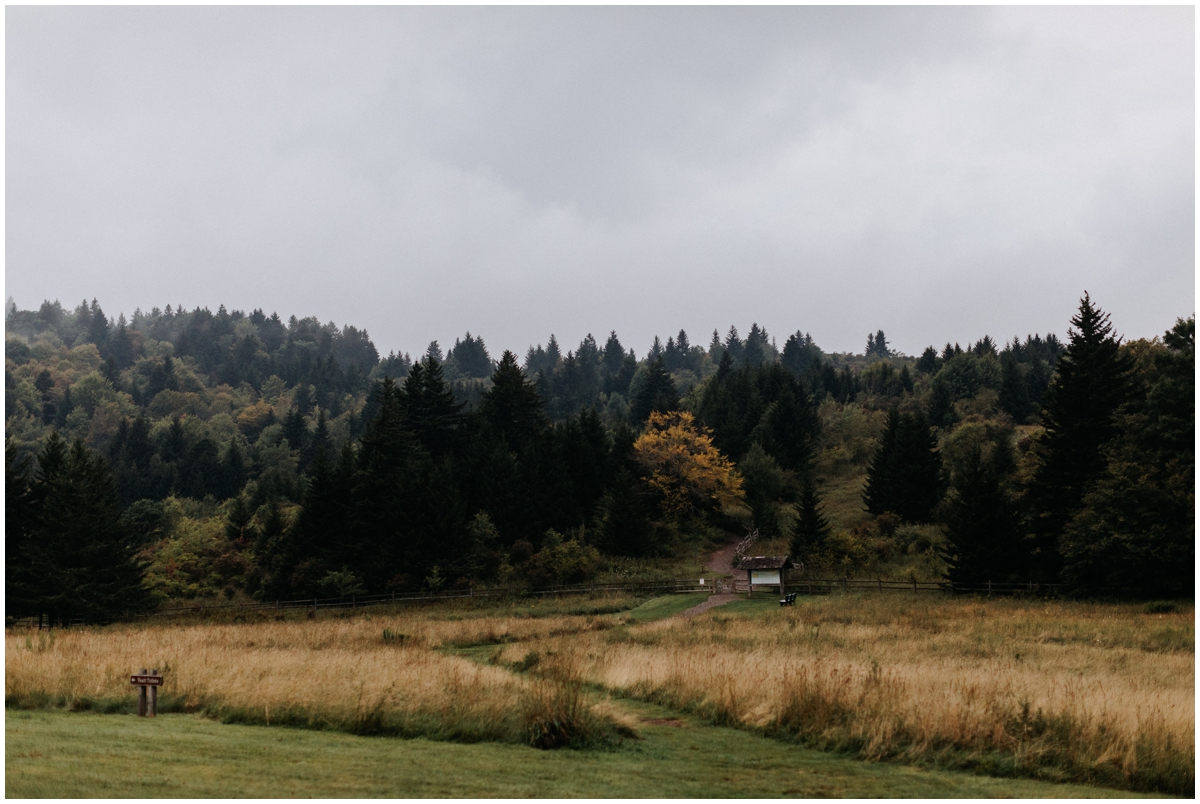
{"type": "Point", "coordinates": [72, 755]}
{"type": "Point", "coordinates": [1101, 694]}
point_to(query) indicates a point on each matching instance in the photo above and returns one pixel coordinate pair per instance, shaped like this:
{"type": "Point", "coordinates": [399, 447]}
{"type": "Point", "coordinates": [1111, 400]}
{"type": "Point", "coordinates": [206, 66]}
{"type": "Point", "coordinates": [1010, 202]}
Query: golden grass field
{"type": "Point", "coordinates": [1065, 690]}
{"type": "Point", "coordinates": [1096, 693]}
{"type": "Point", "coordinates": [367, 674]}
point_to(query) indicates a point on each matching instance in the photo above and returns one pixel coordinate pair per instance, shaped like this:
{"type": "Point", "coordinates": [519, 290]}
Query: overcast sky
{"type": "Point", "coordinates": [939, 173]}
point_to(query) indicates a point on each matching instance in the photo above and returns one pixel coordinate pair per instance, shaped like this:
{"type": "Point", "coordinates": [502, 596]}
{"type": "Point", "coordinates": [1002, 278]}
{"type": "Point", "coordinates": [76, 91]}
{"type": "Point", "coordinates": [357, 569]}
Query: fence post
{"type": "Point", "coordinates": [914, 585]}
{"type": "Point", "coordinates": [989, 588]}
{"type": "Point", "coordinates": [142, 695]}
{"type": "Point", "coordinates": [153, 697]}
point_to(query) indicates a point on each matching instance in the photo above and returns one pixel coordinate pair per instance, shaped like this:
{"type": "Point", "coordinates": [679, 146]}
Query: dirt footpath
{"type": "Point", "coordinates": [721, 561]}
{"type": "Point", "coordinates": [712, 602]}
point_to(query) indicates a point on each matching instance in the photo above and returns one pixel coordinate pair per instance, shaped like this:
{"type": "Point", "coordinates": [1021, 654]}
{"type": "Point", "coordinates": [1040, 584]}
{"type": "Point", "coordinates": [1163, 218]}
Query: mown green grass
{"type": "Point", "coordinates": [666, 606]}
{"type": "Point", "coordinates": [67, 755]}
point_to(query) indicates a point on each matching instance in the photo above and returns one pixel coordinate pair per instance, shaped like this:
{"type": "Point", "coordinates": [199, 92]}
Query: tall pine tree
{"type": "Point", "coordinates": [1090, 385]}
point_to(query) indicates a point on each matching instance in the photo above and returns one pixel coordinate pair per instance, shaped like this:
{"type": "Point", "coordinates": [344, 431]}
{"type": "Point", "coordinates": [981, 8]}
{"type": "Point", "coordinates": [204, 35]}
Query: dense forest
{"type": "Point", "coordinates": [185, 454]}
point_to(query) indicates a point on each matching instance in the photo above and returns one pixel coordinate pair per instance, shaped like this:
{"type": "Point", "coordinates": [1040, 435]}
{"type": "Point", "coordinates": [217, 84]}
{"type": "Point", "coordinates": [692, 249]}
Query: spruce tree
{"type": "Point", "coordinates": [512, 405]}
{"type": "Point", "coordinates": [83, 564]}
{"type": "Point", "coordinates": [1090, 384]}
{"type": "Point", "coordinates": [905, 476]}
{"type": "Point", "coordinates": [878, 493]}
{"type": "Point", "coordinates": [295, 430]}
{"type": "Point", "coordinates": [754, 353]}
{"type": "Point", "coordinates": [626, 512]}
{"type": "Point", "coordinates": [928, 362]}
{"type": "Point", "coordinates": [1014, 396]}
{"type": "Point", "coordinates": [658, 393]}
{"type": "Point", "coordinates": [812, 526]}
{"type": "Point", "coordinates": [734, 346]}
{"type": "Point", "coordinates": [764, 486]}
{"type": "Point", "coordinates": [20, 515]}
{"type": "Point", "coordinates": [790, 427]}
{"type": "Point", "coordinates": [614, 354]}
{"type": "Point", "coordinates": [429, 407]}
{"type": "Point", "coordinates": [1136, 528]}
{"type": "Point", "coordinates": [984, 538]}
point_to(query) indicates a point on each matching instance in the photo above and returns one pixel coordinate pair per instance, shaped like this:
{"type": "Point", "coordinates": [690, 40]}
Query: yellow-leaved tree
{"type": "Point", "coordinates": [680, 463]}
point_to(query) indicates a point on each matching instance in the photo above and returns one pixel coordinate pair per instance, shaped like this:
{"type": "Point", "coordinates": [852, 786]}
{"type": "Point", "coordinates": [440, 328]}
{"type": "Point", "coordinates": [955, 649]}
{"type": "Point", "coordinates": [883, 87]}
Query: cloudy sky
{"type": "Point", "coordinates": [939, 173]}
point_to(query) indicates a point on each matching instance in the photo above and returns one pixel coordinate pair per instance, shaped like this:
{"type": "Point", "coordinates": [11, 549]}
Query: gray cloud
{"type": "Point", "coordinates": [940, 173]}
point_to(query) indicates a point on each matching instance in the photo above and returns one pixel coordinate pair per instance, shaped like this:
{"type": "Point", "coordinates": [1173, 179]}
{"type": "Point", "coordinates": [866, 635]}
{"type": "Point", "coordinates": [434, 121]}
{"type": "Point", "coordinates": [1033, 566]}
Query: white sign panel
{"type": "Point", "coordinates": [764, 576]}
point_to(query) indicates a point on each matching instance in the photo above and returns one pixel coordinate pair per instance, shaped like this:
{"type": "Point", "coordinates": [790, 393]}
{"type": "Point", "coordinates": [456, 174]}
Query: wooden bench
{"type": "Point", "coordinates": [788, 600]}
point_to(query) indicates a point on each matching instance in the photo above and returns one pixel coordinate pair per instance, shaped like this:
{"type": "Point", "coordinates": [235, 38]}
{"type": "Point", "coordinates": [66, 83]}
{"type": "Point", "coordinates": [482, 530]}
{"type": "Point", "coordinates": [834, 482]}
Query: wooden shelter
{"type": "Point", "coordinates": [765, 571]}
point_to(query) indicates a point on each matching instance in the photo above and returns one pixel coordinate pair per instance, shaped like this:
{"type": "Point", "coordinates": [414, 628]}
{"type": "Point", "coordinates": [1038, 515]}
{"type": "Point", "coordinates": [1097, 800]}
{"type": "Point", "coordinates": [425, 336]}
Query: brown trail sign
{"type": "Point", "coordinates": [147, 681]}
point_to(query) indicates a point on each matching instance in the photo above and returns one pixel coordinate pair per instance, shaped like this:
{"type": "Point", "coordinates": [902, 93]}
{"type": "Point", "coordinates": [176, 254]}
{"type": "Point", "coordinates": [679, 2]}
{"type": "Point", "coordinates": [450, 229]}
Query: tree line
{"type": "Point", "coordinates": [335, 471]}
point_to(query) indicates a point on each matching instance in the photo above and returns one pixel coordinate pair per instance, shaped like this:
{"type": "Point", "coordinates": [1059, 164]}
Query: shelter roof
{"type": "Point", "coordinates": [766, 562]}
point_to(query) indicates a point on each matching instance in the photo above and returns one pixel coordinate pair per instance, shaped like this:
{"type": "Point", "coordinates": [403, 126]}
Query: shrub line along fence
{"type": "Point", "coordinates": [811, 586]}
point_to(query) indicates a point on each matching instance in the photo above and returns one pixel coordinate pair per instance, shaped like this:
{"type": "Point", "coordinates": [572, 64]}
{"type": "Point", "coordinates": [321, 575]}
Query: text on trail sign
{"type": "Point", "coordinates": [146, 681]}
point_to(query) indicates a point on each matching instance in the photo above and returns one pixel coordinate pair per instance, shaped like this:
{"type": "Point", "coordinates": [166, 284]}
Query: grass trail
{"type": "Point", "coordinates": [68, 755]}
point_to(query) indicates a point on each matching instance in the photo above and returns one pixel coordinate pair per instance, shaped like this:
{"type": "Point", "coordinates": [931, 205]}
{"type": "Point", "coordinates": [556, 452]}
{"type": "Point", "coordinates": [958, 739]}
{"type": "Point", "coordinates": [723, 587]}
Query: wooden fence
{"type": "Point", "coordinates": [800, 585]}
{"type": "Point", "coordinates": [824, 586]}
{"type": "Point", "coordinates": [672, 586]}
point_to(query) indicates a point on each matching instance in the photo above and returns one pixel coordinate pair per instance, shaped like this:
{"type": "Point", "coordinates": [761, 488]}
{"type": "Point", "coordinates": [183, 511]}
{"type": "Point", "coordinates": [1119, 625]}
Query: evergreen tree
{"type": "Point", "coordinates": [928, 362]}
{"type": "Point", "coordinates": [763, 482]}
{"type": "Point", "coordinates": [812, 526]}
{"type": "Point", "coordinates": [657, 394]}
{"type": "Point", "coordinates": [21, 594]}
{"type": "Point", "coordinates": [877, 345]}
{"type": "Point", "coordinates": [65, 407]}
{"type": "Point", "coordinates": [472, 357]}
{"type": "Point", "coordinates": [553, 353]}
{"type": "Point", "coordinates": [239, 521]}
{"type": "Point", "coordinates": [512, 405]}
{"type": "Point", "coordinates": [429, 408]}
{"type": "Point", "coordinates": [1037, 383]}
{"type": "Point", "coordinates": [754, 354]}
{"type": "Point", "coordinates": [295, 429]}
{"type": "Point", "coordinates": [1014, 396]}
{"type": "Point", "coordinates": [734, 346]}
{"type": "Point", "coordinates": [941, 403]}
{"type": "Point", "coordinates": [626, 517]}
{"type": "Point", "coordinates": [83, 565]}
{"type": "Point", "coordinates": [1136, 527]}
{"type": "Point", "coordinates": [671, 356]}
{"type": "Point", "coordinates": [715, 348]}
{"type": "Point", "coordinates": [789, 427]}
{"type": "Point", "coordinates": [800, 354]}
{"type": "Point", "coordinates": [614, 354]}
{"type": "Point", "coordinates": [905, 476]}
{"type": "Point", "coordinates": [1090, 385]}
{"type": "Point", "coordinates": [984, 539]}
{"type": "Point", "coordinates": [234, 472]}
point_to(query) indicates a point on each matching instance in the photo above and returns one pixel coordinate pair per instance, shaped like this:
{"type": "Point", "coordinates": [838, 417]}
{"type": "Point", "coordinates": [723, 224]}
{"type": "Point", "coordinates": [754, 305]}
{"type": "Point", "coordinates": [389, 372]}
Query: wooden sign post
{"type": "Point", "coordinates": [147, 681]}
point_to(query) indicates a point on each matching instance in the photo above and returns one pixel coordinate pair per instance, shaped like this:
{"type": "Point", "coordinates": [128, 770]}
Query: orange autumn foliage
{"type": "Point", "coordinates": [679, 462]}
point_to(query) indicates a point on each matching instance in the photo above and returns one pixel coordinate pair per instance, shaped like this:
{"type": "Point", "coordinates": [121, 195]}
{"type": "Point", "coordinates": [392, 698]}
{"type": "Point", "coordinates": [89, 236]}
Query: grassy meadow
{"type": "Point", "coordinates": [1099, 694]}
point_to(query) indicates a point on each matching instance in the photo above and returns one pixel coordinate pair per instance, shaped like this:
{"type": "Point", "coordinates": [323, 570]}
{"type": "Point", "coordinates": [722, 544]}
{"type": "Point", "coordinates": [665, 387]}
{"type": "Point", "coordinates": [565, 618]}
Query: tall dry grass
{"type": "Point", "coordinates": [1101, 694]}
{"type": "Point", "coordinates": [371, 675]}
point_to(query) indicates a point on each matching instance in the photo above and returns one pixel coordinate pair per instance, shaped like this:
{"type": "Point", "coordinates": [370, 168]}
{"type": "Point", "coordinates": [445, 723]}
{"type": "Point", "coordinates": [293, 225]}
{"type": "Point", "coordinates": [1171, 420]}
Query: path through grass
{"type": "Point", "coordinates": [68, 755]}
{"type": "Point", "coordinates": [667, 606]}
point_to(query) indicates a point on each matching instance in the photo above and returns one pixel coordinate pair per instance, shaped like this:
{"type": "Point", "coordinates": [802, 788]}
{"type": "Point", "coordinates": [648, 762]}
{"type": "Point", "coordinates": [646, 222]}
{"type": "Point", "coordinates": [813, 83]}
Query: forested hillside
{"type": "Point", "coordinates": [187, 454]}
